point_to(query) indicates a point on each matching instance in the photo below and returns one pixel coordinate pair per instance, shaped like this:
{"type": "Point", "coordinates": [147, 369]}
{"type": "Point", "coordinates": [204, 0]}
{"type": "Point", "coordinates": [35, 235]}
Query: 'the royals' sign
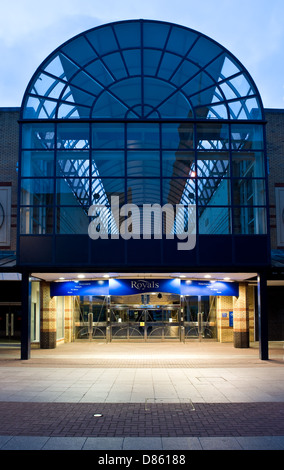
{"type": "Point", "coordinates": [141, 286]}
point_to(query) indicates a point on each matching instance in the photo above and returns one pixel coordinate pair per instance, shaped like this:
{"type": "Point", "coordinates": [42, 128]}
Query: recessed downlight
{"type": "Point", "coordinates": [207, 276]}
{"type": "Point", "coordinates": [81, 276]}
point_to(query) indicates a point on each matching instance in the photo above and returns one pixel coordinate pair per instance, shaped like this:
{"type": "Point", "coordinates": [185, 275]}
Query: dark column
{"type": "Point", "coordinates": [26, 318]}
{"type": "Point", "coordinates": [262, 316]}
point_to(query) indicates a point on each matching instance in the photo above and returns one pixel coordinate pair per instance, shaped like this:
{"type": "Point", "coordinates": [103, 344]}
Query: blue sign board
{"type": "Point", "coordinates": [79, 288]}
{"type": "Point", "coordinates": [209, 288]}
{"type": "Point", "coordinates": [143, 286]}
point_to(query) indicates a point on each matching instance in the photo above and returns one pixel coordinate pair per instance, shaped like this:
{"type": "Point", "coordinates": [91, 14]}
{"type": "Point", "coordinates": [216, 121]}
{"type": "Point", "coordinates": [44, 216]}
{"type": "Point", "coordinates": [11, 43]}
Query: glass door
{"type": "Point", "coordinates": [10, 324]}
{"type": "Point", "coordinates": [91, 318]}
{"type": "Point", "coordinates": [200, 318]}
{"type": "Point", "coordinates": [163, 323]}
{"type": "Point", "coordinates": [127, 323]}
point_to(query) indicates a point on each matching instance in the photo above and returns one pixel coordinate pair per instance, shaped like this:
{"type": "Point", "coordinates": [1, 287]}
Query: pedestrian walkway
{"type": "Point", "coordinates": [131, 396]}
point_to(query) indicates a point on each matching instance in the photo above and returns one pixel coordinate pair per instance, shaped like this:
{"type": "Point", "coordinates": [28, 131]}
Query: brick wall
{"type": "Point", "coordinates": [275, 154]}
{"type": "Point", "coordinates": [9, 152]}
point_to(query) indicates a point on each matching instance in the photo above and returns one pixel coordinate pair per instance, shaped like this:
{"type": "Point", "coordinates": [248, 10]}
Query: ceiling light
{"type": "Point", "coordinates": [207, 275]}
{"type": "Point", "coordinates": [81, 276]}
{"type": "Point", "coordinates": [227, 278]}
{"type": "Point", "coordinates": [182, 275]}
{"type": "Point", "coordinates": [105, 275]}
{"type": "Point", "coordinates": [62, 278]}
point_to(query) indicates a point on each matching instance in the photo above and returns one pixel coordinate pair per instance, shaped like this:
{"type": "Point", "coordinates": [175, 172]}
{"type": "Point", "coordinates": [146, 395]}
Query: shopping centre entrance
{"type": "Point", "coordinates": [146, 317]}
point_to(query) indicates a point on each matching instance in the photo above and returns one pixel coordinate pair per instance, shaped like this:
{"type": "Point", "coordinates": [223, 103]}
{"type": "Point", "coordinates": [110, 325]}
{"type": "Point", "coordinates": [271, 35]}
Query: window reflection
{"type": "Point", "coordinates": [125, 160]}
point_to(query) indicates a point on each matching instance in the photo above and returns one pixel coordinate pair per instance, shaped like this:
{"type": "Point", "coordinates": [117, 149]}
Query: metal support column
{"type": "Point", "coordinates": [26, 318]}
{"type": "Point", "coordinates": [262, 316]}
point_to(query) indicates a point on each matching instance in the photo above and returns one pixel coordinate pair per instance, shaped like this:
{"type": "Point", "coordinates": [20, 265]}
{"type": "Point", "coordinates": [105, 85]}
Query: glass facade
{"type": "Point", "coordinates": [142, 163]}
{"type": "Point", "coordinates": [150, 112]}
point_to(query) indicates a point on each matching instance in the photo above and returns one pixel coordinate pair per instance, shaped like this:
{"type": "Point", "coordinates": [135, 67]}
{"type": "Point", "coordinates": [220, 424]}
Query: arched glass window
{"type": "Point", "coordinates": [150, 112]}
{"type": "Point", "coordinates": [141, 70]}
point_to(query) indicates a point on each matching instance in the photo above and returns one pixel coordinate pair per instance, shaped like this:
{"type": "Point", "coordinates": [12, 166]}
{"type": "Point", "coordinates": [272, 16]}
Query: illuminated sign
{"type": "Point", "coordinates": [209, 288]}
{"type": "Point", "coordinates": [79, 288]}
{"type": "Point", "coordinates": [143, 286]}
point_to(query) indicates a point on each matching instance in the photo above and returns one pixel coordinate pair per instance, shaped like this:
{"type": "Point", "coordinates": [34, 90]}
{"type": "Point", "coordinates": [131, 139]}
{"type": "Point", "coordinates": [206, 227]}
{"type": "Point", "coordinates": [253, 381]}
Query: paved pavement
{"type": "Point", "coordinates": [150, 396]}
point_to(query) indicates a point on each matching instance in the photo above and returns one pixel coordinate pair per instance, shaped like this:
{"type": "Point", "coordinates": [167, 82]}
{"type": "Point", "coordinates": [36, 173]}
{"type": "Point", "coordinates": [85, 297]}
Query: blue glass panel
{"type": "Point", "coordinates": [100, 73]}
{"type": "Point", "coordinates": [204, 51]}
{"type": "Point", "coordinates": [212, 111]}
{"type": "Point", "coordinates": [84, 81]}
{"type": "Point", "coordinates": [181, 40]}
{"type": "Point", "coordinates": [207, 97]}
{"type": "Point", "coordinates": [151, 59]}
{"type": "Point", "coordinates": [38, 136]}
{"type": "Point", "coordinates": [245, 109]}
{"type": "Point", "coordinates": [128, 92]}
{"type": "Point", "coordinates": [247, 136]}
{"type": "Point", "coordinates": [179, 191]}
{"type": "Point", "coordinates": [74, 163]}
{"type": "Point", "coordinates": [177, 136]}
{"type": "Point", "coordinates": [214, 191]}
{"type": "Point", "coordinates": [108, 106]}
{"type": "Point", "coordinates": [66, 111]}
{"type": "Point", "coordinates": [197, 84]}
{"type": "Point", "coordinates": [240, 85]}
{"type": "Point", "coordinates": [128, 34]}
{"type": "Point", "coordinates": [212, 136]}
{"type": "Point", "coordinates": [79, 97]}
{"type": "Point", "coordinates": [72, 220]}
{"type": "Point", "coordinates": [72, 191]}
{"type": "Point", "coordinates": [250, 220]}
{"type": "Point", "coordinates": [36, 220]}
{"type": "Point", "coordinates": [143, 191]}
{"type": "Point", "coordinates": [249, 192]}
{"type": "Point", "coordinates": [143, 136]}
{"type": "Point", "coordinates": [108, 136]}
{"type": "Point", "coordinates": [184, 73]}
{"type": "Point", "coordinates": [116, 65]}
{"type": "Point", "coordinates": [104, 188]}
{"type": "Point", "coordinates": [108, 163]}
{"type": "Point", "coordinates": [156, 92]}
{"type": "Point", "coordinates": [176, 106]}
{"type": "Point", "coordinates": [178, 163]}
{"type": "Point", "coordinates": [73, 136]}
{"type": "Point", "coordinates": [79, 50]}
{"type": "Point", "coordinates": [68, 67]}
{"type": "Point", "coordinates": [168, 64]}
{"type": "Point", "coordinates": [37, 163]}
{"type": "Point", "coordinates": [145, 163]}
{"type": "Point", "coordinates": [37, 191]}
{"type": "Point", "coordinates": [102, 39]}
{"type": "Point", "coordinates": [215, 164]}
{"type": "Point", "coordinates": [214, 220]}
{"type": "Point", "coordinates": [155, 34]}
{"type": "Point", "coordinates": [133, 61]}
{"type": "Point", "coordinates": [248, 163]}
{"type": "Point", "coordinates": [44, 85]}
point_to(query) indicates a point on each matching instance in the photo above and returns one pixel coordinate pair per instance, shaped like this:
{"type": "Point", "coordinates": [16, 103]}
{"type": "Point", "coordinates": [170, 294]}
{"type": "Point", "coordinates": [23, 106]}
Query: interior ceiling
{"type": "Point", "coordinates": [87, 276]}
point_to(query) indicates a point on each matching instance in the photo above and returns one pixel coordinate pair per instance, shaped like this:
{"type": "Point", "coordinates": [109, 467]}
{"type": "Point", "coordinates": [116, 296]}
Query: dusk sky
{"type": "Point", "coordinates": [253, 30]}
